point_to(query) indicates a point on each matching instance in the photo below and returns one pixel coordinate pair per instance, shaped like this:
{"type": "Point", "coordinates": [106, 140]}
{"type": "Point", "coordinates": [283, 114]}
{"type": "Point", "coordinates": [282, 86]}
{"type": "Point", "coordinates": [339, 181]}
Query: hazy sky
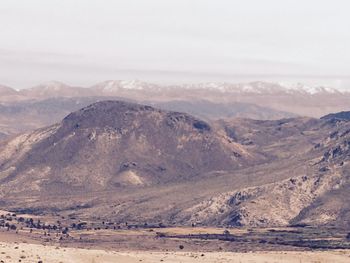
{"type": "Point", "coordinates": [85, 41]}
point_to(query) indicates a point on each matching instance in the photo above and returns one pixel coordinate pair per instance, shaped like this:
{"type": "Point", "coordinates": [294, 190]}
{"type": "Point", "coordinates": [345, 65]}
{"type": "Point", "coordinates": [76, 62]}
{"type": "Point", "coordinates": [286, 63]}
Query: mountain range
{"type": "Point", "coordinates": [28, 109]}
{"type": "Point", "coordinates": [124, 161]}
{"type": "Point", "coordinates": [296, 99]}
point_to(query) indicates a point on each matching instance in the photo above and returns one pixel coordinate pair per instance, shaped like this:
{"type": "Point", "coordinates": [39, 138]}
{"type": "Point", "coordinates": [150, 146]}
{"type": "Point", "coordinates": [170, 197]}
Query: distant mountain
{"type": "Point", "coordinates": [112, 87]}
{"type": "Point", "coordinates": [257, 87]}
{"type": "Point", "coordinates": [212, 111]}
{"type": "Point", "coordinates": [260, 87]}
{"type": "Point", "coordinates": [7, 91]}
{"type": "Point", "coordinates": [129, 162]}
{"type": "Point", "coordinates": [54, 89]}
{"type": "Point", "coordinates": [296, 99]}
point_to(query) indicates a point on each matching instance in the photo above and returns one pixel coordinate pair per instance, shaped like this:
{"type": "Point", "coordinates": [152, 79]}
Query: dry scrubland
{"type": "Point", "coordinates": [23, 252]}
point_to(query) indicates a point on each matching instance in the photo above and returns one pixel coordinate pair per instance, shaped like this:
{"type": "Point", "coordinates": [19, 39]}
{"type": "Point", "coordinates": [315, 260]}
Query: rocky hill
{"type": "Point", "coordinates": [110, 144]}
{"type": "Point", "coordinates": [129, 162]}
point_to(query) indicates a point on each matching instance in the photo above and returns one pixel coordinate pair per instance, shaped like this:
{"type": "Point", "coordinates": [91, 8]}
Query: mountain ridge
{"type": "Point", "coordinates": [249, 87]}
{"type": "Point", "coordinates": [297, 99]}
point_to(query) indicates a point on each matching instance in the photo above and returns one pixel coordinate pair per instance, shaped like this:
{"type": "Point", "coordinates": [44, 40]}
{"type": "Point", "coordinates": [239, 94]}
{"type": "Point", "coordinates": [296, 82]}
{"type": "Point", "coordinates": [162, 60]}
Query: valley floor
{"type": "Point", "coordinates": [25, 252]}
{"type": "Point", "coordinates": [97, 242]}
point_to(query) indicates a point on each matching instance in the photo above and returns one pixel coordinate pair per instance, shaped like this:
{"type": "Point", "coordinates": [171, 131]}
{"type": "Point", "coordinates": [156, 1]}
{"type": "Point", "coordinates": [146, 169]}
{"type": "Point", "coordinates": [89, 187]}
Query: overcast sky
{"type": "Point", "coordinates": [86, 41]}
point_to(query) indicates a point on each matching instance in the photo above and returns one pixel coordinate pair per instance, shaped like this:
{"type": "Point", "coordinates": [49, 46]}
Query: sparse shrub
{"type": "Point", "coordinates": [159, 234]}
{"type": "Point", "coordinates": [65, 231]}
{"type": "Point", "coordinates": [348, 236]}
{"type": "Point", "coordinates": [181, 247]}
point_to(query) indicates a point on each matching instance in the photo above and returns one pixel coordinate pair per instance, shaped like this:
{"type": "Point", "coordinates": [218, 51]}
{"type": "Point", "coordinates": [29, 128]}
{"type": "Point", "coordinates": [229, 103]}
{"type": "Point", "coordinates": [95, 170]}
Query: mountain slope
{"type": "Point", "coordinates": [54, 89]}
{"type": "Point", "coordinates": [7, 91]}
{"type": "Point", "coordinates": [316, 195]}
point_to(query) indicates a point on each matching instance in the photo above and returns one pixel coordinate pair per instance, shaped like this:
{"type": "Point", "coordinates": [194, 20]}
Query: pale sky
{"type": "Point", "coordinates": [82, 42]}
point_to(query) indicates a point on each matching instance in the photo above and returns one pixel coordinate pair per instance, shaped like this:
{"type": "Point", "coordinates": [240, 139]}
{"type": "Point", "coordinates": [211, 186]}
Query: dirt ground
{"type": "Point", "coordinates": [24, 252]}
{"type": "Point", "coordinates": [168, 244]}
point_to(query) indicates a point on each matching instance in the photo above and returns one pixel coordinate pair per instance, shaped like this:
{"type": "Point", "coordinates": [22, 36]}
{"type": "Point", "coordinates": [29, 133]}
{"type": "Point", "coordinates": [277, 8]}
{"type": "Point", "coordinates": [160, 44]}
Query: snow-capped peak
{"type": "Point", "coordinates": [51, 85]}
{"type": "Point", "coordinates": [299, 87]}
{"type": "Point", "coordinates": [260, 87]}
{"type": "Point", "coordinates": [114, 85]}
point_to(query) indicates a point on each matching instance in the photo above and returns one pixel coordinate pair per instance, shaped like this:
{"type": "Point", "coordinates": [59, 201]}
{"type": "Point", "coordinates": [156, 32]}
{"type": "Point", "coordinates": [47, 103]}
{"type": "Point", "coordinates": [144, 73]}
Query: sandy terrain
{"type": "Point", "coordinates": [23, 252]}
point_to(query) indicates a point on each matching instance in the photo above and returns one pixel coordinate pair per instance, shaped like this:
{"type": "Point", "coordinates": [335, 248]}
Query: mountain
{"type": "Point", "coordinates": [113, 87]}
{"type": "Point", "coordinates": [123, 161]}
{"type": "Point", "coordinates": [54, 89]}
{"type": "Point", "coordinates": [110, 144]}
{"type": "Point", "coordinates": [7, 91]}
{"type": "Point", "coordinates": [29, 109]}
{"type": "Point", "coordinates": [296, 99]}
